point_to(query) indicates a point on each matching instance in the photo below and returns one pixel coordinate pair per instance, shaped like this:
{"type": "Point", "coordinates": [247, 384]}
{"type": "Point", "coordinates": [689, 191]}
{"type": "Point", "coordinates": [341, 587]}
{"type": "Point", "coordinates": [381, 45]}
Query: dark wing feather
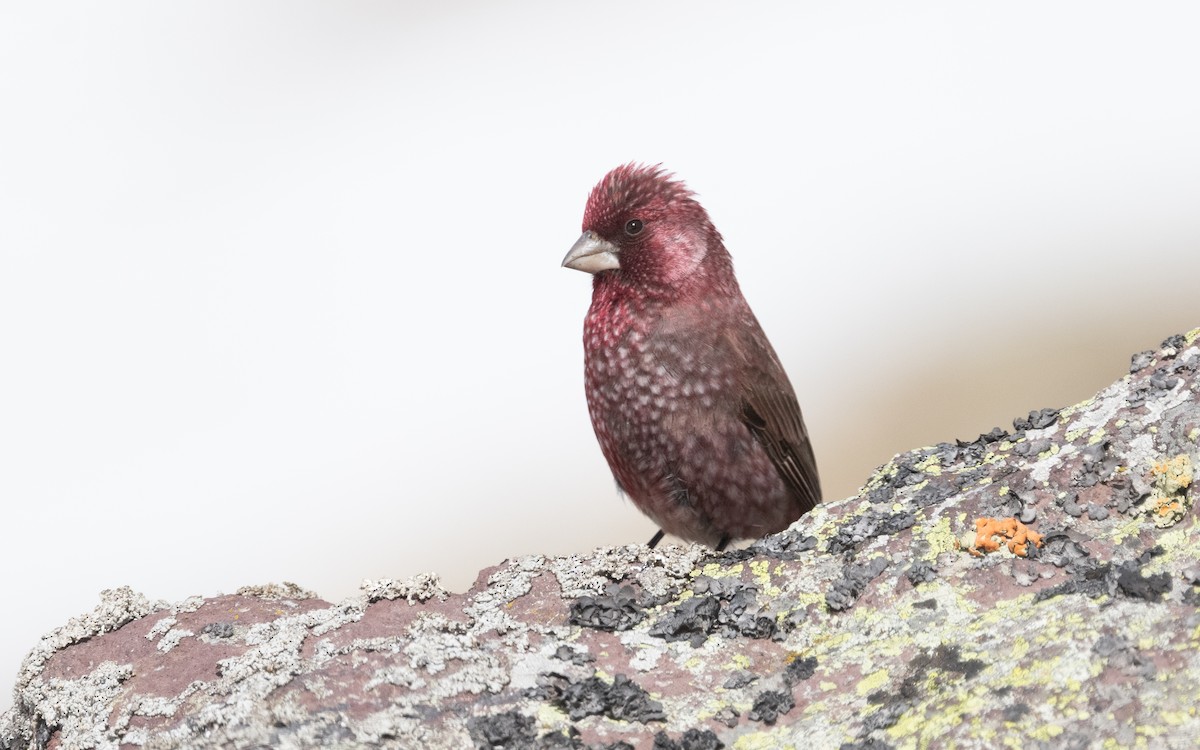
{"type": "Point", "coordinates": [772, 414]}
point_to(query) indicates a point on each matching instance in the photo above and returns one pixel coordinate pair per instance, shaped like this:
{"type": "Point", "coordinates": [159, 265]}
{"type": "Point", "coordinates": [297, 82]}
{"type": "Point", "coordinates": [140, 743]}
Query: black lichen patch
{"type": "Point", "coordinates": [1140, 361]}
{"type": "Point", "coordinates": [855, 577]}
{"type": "Point", "coordinates": [218, 629]}
{"type": "Point", "coordinates": [881, 494]}
{"type": "Point", "coordinates": [567, 739]}
{"type": "Point", "coordinates": [970, 451]}
{"type": "Point", "coordinates": [623, 700]}
{"type": "Point", "coordinates": [1008, 504]}
{"type": "Point", "coordinates": [946, 659]}
{"type": "Point", "coordinates": [1096, 467]}
{"type": "Point", "coordinates": [616, 609]}
{"type": "Point", "coordinates": [907, 474]}
{"type": "Point", "coordinates": [1071, 505]}
{"type": "Point", "coordinates": [692, 739]}
{"type": "Point", "coordinates": [1090, 580]}
{"type": "Point", "coordinates": [1119, 653]}
{"type": "Point", "coordinates": [873, 523]}
{"type": "Point", "coordinates": [693, 620]}
{"type": "Point", "coordinates": [726, 606]}
{"type": "Point", "coordinates": [568, 654]}
{"type": "Point", "coordinates": [1172, 344]}
{"type": "Point", "coordinates": [1126, 493]}
{"type": "Point", "coordinates": [1191, 594]}
{"type": "Point", "coordinates": [507, 730]}
{"type": "Point", "coordinates": [1063, 550]}
{"type": "Point", "coordinates": [1032, 447]}
{"type": "Point", "coordinates": [1125, 579]}
{"type": "Point", "coordinates": [741, 614]}
{"type": "Point", "coordinates": [1015, 712]}
{"type": "Point", "coordinates": [770, 705]}
{"type": "Point", "coordinates": [1133, 584]}
{"type": "Point", "coordinates": [740, 679]}
{"type": "Point", "coordinates": [1107, 645]}
{"type": "Point", "coordinates": [799, 670]}
{"type": "Point", "coordinates": [1163, 380]}
{"type": "Point", "coordinates": [1037, 420]}
{"type": "Point", "coordinates": [728, 716]}
{"type": "Point", "coordinates": [885, 717]}
{"type": "Point", "coordinates": [785, 546]}
{"type": "Point", "coordinates": [920, 572]}
{"type": "Point", "coordinates": [934, 493]}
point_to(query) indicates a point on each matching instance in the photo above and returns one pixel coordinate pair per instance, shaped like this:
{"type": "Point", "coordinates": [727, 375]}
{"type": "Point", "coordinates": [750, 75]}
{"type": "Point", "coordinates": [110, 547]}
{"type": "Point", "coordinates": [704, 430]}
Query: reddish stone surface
{"type": "Point", "coordinates": [867, 622]}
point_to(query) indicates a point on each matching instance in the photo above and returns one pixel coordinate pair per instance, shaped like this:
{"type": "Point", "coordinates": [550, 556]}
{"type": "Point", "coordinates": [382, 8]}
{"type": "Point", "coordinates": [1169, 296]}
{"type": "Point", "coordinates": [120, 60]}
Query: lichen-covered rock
{"type": "Point", "coordinates": [1038, 588]}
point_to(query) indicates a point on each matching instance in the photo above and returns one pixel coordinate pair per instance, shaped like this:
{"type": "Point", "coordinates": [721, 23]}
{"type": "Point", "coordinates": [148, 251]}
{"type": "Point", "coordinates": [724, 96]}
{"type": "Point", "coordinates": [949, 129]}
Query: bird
{"type": "Point", "coordinates": [689, 401]}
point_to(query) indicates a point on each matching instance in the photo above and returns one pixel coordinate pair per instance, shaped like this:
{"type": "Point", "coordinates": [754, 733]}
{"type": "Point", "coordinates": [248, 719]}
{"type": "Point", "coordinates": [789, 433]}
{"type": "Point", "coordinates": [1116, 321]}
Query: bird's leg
{"type": "Point", "coordinates": [721, 544]}
{"type": "Point", "coordinates": [654, 540]}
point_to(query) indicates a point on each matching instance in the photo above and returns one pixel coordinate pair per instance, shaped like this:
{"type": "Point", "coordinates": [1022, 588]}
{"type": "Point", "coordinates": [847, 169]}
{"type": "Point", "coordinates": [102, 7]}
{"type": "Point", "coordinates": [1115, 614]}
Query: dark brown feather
{"type": "Point", "coordinates": [770, 411]}
{"type": "Point", "coordinates": [788, 449]}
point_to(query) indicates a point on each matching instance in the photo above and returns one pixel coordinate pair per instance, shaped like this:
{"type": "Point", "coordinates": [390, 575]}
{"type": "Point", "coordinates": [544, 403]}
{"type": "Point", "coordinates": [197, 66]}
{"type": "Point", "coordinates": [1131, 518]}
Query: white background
{"type": "Point", "coordinates": [280, 295]}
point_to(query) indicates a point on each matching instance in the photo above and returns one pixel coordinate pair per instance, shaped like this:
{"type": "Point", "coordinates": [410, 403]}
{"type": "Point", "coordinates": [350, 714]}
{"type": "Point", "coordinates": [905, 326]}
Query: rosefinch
{"type": "Point", "coordinates": [690, 404]}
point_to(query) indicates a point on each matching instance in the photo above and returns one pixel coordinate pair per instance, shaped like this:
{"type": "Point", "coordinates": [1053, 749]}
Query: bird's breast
{"type": "Point", "coordinates": [648, 392]}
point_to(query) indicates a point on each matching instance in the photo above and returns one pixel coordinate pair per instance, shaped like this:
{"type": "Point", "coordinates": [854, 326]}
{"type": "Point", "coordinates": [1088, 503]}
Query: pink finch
{"type": "Point", "coordinates": [690, 404]}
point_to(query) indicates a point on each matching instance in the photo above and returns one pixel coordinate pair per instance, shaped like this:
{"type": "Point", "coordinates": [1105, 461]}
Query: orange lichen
{"type": "Point", "coordinates": [1175, 473]}
{"type": "Point", "coordinates": [1019, 536]}
{"type": "Point", "coordinates": [1169, 500]}
{"type": "Point", "coordinates": [1170, 509]}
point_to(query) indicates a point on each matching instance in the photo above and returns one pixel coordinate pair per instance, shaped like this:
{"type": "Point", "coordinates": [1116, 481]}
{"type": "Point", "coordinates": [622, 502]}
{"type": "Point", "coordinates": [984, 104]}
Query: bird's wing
{"type": "Point", "coordinates": [770, 410]}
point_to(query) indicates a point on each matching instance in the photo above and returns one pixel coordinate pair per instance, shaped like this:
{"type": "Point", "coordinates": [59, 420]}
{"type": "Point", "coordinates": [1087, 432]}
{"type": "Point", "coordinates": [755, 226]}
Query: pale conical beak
{"type": "Point", "coordinates": [592, 253]}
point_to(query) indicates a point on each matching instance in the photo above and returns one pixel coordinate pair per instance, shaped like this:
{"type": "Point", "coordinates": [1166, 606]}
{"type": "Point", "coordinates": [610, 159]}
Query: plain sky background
{"type": "Point", "coordinates": [280, 295]}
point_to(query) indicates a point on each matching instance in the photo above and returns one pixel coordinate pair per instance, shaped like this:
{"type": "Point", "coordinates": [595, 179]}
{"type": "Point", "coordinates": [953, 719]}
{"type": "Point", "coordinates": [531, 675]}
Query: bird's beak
{"type": "Point", "coordinates": [592, 253]}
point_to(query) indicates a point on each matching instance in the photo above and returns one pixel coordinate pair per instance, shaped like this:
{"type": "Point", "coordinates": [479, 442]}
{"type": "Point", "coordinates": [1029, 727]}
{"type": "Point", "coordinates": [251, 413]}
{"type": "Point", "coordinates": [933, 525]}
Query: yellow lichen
{"type": "Point", "coordinates": [1019, 649]}
{"type": "Point", "coordinates": [931, 466]}
{"type": "Point", "coordinates": [716, 570]}
{"type": "Point", "coordinates": [872, 682]}
{"type": "Point", "coordinates": [939, 538]}
{"type": "Point", "coordinates": [806, 598]}
{"type": "Point", "coordinates": [762, 576]}
{"type": "Point", "coordinates": [761, 570]}
{"type": "Point", "coordinates": [1077, 407]}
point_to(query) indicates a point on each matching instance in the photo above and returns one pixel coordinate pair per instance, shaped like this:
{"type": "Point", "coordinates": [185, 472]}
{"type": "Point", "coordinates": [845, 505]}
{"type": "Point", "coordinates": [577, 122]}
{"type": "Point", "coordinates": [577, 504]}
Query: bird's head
{"type": "Point", "coordinates": [644, 229]}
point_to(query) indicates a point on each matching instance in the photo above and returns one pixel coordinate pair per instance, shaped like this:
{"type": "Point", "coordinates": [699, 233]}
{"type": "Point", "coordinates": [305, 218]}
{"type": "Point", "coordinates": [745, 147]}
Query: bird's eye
{"type": "Point", "coordinates": [634, 227]}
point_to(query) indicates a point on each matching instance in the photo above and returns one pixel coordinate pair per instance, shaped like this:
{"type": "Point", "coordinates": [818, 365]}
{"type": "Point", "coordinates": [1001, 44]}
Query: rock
{"type": "Point", "coordinates": [1036, 589]}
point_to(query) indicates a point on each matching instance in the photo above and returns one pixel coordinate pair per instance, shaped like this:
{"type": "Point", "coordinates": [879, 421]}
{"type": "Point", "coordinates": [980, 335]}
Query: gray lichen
{"type": "Point", "coordinates": [1036, 588]}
